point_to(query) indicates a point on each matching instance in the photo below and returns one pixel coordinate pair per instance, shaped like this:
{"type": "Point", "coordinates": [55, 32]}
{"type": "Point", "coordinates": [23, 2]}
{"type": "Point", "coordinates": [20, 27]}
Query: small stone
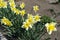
{"type": "Point", "coordinates": [53, 1]}
{"type": "Point", "coordinates": [2, 37]}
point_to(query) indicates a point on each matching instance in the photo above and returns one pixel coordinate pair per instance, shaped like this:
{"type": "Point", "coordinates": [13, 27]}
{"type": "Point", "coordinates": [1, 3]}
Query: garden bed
{"type": "Point", "coordinates": [44, 10]}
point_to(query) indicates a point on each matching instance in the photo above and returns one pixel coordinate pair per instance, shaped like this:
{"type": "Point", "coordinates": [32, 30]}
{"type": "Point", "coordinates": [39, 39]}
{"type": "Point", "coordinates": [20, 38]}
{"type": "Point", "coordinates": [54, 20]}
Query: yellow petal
{"type": "Point", "coordinates": [50, 32]}
{"type": "Point", "coordinates": [27, 28]}
{"type": "Point", "coordinates": [55, 29]}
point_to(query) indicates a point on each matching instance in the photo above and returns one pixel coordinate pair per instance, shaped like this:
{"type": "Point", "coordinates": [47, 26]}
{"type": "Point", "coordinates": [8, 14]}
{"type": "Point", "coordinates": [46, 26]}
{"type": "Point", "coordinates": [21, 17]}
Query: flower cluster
{"type": "Point", "coordinates": [34, 19]}
{"type": "Point", "coordinates": [13, 7]}
{"type": "Point", "coordinates": [30, 21]}
{"type": "Point", "coordinates": [15, 10]}
{"type": "Point", "coordinates": [18, 21]}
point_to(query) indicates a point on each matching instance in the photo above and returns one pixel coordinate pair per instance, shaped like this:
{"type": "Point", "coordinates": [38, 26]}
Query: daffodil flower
{"type": "Point", "coordinates": [17, 11]}
{"type": "Point", "coordinates": [36, 8]}
{"type": "Point", "coordinates": [26, 25]}
{"type": "Point", "coordinates": [12, 4]}
{"type": "Point", "coordinates": [22, 5]}
{"type": "Point", "coordinates": [3, 4]}
{"type": "Point", "coordinates": [22, 12]}
{"type": "Point", "coordinates": [30, 18]}
{"type": "Point", "coordinates": [37, 18]}
{"type": "Point", "coordinates": [50, 27]}
{"type": "Point", "coordinates": [6, 21]}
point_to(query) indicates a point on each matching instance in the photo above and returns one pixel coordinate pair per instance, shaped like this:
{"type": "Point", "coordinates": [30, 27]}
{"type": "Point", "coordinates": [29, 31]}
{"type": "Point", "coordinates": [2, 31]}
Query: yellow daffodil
{"type": "Point", "coordinates": [22, 5]}
{"type": "Point", "coordinates": [17, 11]}
{"type": "Point", "coordinates": [22, 12]}
{"type": "Point", "coordinates": [3, 5]}
{"type": "Point", "coordinates": [36, 8]}
{"type": "Point", "coordinates": [30, 18]}
{"type": "Point", "coordinates": [6, 21]}
{"type": "Point", "coordinates": [37, 18]}
{"type": "Point", "coordinates": [26, 25]}
{"type": "Point", "coordinates": [0, 5]}
{"type": "Point", "coordinates": [50, 27]}
{"type": "Point", "coordinates": [12, 4]}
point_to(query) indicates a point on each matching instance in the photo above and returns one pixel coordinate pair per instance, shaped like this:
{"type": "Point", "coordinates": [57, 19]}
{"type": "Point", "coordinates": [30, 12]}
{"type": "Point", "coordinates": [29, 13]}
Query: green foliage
{"type": "Point", "coordinates": [46, 19]}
